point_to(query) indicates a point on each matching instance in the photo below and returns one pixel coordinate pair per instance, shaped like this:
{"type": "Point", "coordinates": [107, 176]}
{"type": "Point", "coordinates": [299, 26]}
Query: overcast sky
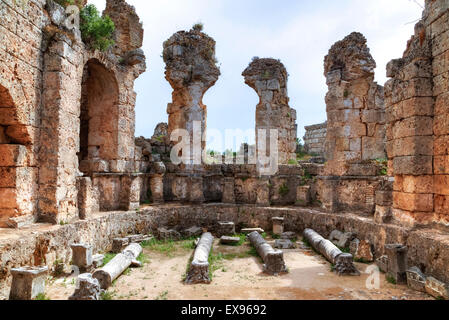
{"type": "Point", "coordinates": [298, 32]}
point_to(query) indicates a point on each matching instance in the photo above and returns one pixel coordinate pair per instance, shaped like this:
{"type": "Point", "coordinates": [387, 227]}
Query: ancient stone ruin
{"type": "Point", "coordinates": [76, 182]}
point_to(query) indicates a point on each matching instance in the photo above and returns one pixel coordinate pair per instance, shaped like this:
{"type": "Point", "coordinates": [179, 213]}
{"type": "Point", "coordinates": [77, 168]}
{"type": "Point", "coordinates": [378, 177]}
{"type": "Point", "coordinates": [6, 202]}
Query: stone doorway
{"type": "Point", "coordinates": [98, 119]}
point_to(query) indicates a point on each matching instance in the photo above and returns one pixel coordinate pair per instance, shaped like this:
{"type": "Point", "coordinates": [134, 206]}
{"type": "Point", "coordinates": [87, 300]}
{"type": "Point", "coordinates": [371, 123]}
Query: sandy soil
{"type": "Point", "coordinates": [309, 278]}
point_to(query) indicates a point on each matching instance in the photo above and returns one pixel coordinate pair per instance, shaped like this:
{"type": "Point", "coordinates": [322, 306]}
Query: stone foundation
{"type": "Point", "coordinates": [43, 244]}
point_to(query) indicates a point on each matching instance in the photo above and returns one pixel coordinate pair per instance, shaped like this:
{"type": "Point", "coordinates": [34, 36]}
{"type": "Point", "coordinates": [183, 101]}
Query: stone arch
{"type": "Point", "coordinates": [15, 178]}
{"type": "Point", "coordinates": [99, 118]}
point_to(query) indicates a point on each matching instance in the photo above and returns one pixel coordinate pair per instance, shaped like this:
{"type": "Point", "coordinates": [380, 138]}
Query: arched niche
{"type": "Point", "coordinates": [99, 118]}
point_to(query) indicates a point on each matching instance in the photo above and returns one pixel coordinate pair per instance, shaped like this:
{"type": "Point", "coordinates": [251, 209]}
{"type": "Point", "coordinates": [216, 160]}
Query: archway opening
{"type": "Point", "coordinates": [98, 119]}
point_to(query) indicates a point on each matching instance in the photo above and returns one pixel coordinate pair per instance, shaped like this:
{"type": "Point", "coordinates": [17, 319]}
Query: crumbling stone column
{"type": "Point", "coordinates": [191, 70]}
{"type": "Point", "coordinates": [273, 259]}
{"type": "Point", "coordinates": [199, 269]}
{"type": "Point", "coordinates": [355, 108]}
{"type": "Point", "coordinates": [28, 282]}
{"type": "Point", "coordinates": [157, 182]}
{"type": "Point", "coordinates": [268, 77]}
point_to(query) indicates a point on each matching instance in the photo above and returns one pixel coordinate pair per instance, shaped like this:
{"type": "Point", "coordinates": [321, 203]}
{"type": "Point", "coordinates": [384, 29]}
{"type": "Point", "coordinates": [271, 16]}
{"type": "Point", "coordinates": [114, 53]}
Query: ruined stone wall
{"type": "Point", "coordinates": [418, 126]}
{"type": "Point", "coordinates": [355, 128]}
{"type": "Point", "coordinates": [21, 73]}
{"type": "Point", "coordinates": [66, 112]}
{"type": "Point", "coordinates": [43, 245]}
{"type": "Point", "coordinates": [191, 70]}
{"type": "Point", "coordinates": [355, 107]}
{"type": "Point", "coordinates": [315, 138]}
{"type": "Point", "coordinates": [268, 77]}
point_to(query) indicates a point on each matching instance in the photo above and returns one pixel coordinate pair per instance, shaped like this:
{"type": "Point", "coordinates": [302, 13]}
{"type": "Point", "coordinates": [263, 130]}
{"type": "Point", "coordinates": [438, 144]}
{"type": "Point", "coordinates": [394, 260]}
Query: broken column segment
{"type": "Point", "coordinates": [273, 259]}
{"type": "Point", "coordinates": [199, 269]}
{"type": "Point", "coordinates": [157, 182]}
{"type": "Point", "coordinates": [27, 282]}
{"type": "Point", "coordinates": [343, 261]}
{"type": "Point", "coordinates": [87, 288]}
{"type": "Point", "coordinates": [117, 265]}
{"type": "Point", "coordinates": [191, 70]}
{"type": "Point", "coordinates": [397, 262]}
{"type": "Point", "coordinates": [355, 109]}
{"type": "Point", "coordinates": [268, 77]}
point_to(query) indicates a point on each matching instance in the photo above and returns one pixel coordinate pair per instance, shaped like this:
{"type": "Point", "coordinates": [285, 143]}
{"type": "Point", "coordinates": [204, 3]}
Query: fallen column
{"type": "Point", "coordinates": [199, 269]}
{"type": "Point", "coordinates": [273, 259]}
{"type": "Point", "coordinates": [343, 261]}
{"type": "Point", "coordinates": [118, 265]}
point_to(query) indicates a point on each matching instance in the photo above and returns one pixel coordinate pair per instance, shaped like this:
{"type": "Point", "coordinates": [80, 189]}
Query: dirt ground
{"type": "Point", "coordinates": [237, 275]}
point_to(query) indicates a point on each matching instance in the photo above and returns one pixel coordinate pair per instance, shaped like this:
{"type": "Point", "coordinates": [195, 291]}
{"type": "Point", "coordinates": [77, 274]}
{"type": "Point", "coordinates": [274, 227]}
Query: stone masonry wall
{"type": "Point", "coordinates": [21, 73]}
{"type": "Point", "coordinates": [268, 77]}
{"type": "Point", "coordinates": [355, 107]}
{"type": "Point", "coordinates": [315, 139]}
{"type": "Point", "coordinates": [45, 138]}
{"type": "Point", "coordinates": [418, 126]}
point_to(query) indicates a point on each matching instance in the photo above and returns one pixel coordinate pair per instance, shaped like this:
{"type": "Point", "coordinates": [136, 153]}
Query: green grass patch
{"type": "Point", "coordinates": [391, 280]}
{"type": "Point", "coordinates": [42, 297]}
{"type": "Point", "coordinates": [107, 295]}
{"type": "Point", "coordinates": [108, 257]}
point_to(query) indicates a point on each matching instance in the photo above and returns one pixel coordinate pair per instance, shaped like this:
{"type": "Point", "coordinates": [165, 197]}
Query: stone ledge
{"type": "Point", "coordinates": [41, 244]}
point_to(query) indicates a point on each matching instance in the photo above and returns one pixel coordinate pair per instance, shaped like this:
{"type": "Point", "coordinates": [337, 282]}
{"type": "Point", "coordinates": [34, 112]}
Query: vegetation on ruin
{"type": "Point", "coordinates": [169, 247]}
{"type": "Point", "coordinates": [199, 26]}
{"type": "Point", "coordinates": [96, 31]}
{"type": "Point", "coordinates": [383, 166]}
{"type": "Point", "coordinates": [284, 190]}
{"type": "Point", "coordinates": [107, 295]}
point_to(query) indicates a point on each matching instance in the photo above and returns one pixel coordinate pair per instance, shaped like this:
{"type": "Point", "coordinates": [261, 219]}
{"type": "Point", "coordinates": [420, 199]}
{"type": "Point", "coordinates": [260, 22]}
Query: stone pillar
{"type": "Point", "coordinates": [196, 189]}
{"type": "Point", "coordinates": [355, 109]}
{"type": "Point", "coordinates": [278, 225]}
{"type": "Point", "coordinates": [191, 70]}
{"type": "Point", "coordinates": [88, 198]}
{"type": "Point", "coordinates": [82, 256]}
{"type": "Point", "coordinates": [263, 192]}
{"type": "Point", "coordinates": [130, 192]}
{"type": "Point", "coordinates": [397, 262]}
{"type": "Point", "coordinates": [59, 132]}
{"type": "Point", "coordinates": [228, 190]}
{"type": "Point", "coordinates": [268, 77]}
{"type": "Point", "coordinates": [28, 282]}
{"type": "Point", "coordinates": [157, 182]}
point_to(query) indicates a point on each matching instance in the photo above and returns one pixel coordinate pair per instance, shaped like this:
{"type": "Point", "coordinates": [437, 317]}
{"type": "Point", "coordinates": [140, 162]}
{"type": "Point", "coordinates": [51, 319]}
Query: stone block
{"type": "Point", "coordinates": [13, 155]}
{"type": "Point", "coordinates": [437, 289]}
{"type": "Point", "coordinates": [397, 262]}
{"type": "Point", "coordinates": [278, 225]}
{"type": "Point", "coordinates": [303, 196]}
{"type": "Point", "coordinates": [383, 214]}
{"type": "Point", "coordinates": [382, 263]}
{"type": "Point", "coordinates": [384, 198]}
{"type": "Point", "coordinates": [97, 260]}
{"type": "Point", "coordinates": [413, 202]}
{"type": "Point", "coordinates": [250, 230]}
{"type": "Point", "coordinates": [165, 234]}
{"type": "Point", "coordinates": [413, 165]}
{"type": "Point", "coordinates": [28, 282]}
{"type": "Point", "coordinates": [284, 244]}
{"type": "Point", "coordinates": [118, 244]}
{"type": "Point", "coordinates": [229, 241]}
{"type": "Point", "coordinates": [292, 236]}
{"type": "Point", "coordinates": [82, 256]}
{"type": "Point", "coordinates": [416, 280]}
{"type": "Point", "coordinates": [226, 228]}
{"type": "Point", "coordinates": [192, 232]}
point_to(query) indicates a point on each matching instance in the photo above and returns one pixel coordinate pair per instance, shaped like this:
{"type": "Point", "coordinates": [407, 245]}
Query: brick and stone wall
{"type": "Point", "coordinates": [315, 138]}
{"type": "Point", "coordinates": [66, 111]}
{"type": "Point", "coordinates": [418, 126]}
{"type": "Point", "coordinates": [355, 107]}
{"type": "Point", "coordinates": [21, 74]}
